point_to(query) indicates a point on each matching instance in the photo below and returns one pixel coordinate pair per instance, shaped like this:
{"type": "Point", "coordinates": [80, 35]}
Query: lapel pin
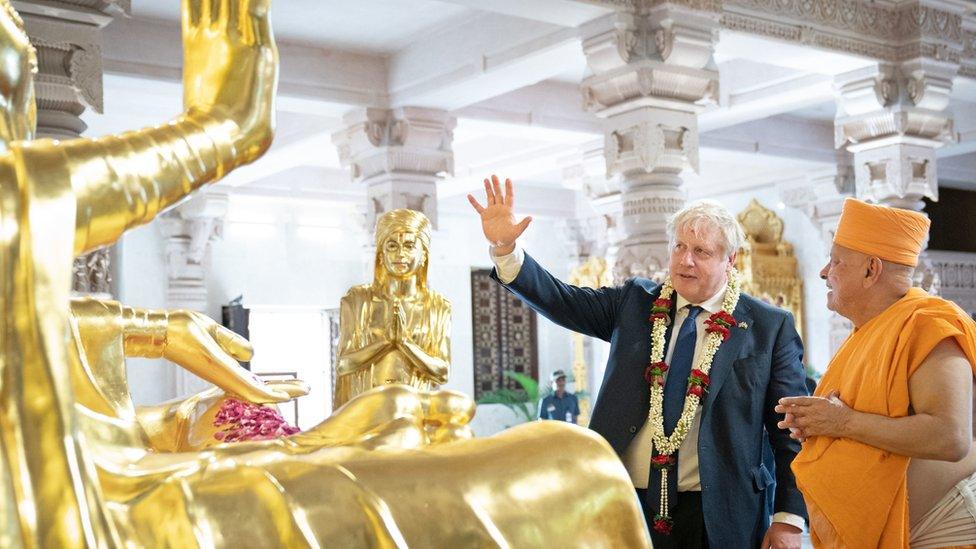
{"type": "Point", "coordinates": [743, 325]}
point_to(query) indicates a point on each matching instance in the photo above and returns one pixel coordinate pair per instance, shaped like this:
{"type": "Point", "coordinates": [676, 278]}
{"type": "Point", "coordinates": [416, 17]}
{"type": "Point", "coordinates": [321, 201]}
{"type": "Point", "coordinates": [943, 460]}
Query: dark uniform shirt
{"type": "Point", "coordinates": [561, 409]}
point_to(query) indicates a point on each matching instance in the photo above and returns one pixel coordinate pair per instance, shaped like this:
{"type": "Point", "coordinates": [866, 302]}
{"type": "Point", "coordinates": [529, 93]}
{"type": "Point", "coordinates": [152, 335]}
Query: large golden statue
{"type": "Point", "coordinates": [81, 466]}
{"type": "Point", "coordinates": [395, 330]}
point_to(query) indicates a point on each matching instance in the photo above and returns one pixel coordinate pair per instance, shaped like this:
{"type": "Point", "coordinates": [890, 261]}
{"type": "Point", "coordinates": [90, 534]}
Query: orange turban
{"type": "Point", "coordinates": [893, 234]}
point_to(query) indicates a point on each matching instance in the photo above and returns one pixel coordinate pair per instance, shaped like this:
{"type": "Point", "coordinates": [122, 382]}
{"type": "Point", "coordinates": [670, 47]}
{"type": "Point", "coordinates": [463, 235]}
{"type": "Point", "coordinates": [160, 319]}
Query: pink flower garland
{"type": "Point", "coordinates": [247, 421]}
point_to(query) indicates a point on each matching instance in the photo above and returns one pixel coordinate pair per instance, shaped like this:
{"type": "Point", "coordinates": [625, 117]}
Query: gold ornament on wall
{"type": "Point", "coordinates": [769, 269]}
{"type": "Point", "coordinates": [595, 272]}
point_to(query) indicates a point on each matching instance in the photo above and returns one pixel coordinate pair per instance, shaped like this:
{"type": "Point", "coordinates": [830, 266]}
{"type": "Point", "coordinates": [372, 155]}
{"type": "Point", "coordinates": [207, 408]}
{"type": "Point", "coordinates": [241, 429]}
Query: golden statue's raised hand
{"type": "Point", "coordinates": [228, 51]}
{"type": "Point", "coordinates": [497, 217]}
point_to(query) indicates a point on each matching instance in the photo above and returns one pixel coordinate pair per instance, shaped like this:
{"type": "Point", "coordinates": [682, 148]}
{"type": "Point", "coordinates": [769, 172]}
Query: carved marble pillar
{"type": "Point", "coordinates": [821, 197]}
{"type": "Point", "coordinates": [68, 37]}
{"type": "Point", "coordinates": [400, 155]}
{"type": "Point", "coordinates": [595, 232]}
{"type": "Point", "coordinates": [652, 74]}
{"type": "Point", "coordinates": [189, 230]}
{"type": "Point", "coordinates": [893, 118]}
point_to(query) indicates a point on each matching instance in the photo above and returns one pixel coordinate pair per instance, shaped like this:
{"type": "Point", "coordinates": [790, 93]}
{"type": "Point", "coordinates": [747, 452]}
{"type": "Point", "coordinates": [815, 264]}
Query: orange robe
{"type": "Point", "coordinates": [856, 494]}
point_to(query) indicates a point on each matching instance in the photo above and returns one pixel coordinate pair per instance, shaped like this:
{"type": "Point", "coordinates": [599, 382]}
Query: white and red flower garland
{"type": "Point", "coordinates": [718, 328]}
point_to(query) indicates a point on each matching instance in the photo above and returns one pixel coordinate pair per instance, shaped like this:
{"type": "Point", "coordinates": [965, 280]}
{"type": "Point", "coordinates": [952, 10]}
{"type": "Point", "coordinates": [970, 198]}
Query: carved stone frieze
{"type": "Point", "coordinates": [882, 31]}
{"type": "Point", "coordinates": [869, 19]}
{"type": "Point", "coordinates": [957, 276]}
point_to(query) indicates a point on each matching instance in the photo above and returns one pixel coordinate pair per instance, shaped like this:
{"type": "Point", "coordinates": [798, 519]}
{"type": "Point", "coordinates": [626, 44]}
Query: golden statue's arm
{"type": "Point", "coordinates": [229, 73]}
{"type": "Point", "coordinates": [431, 365]}
{"type": "Point", "coordinates": [189, 339]}
{"type": "Point", "coordinates": [352, 357]}
{"type": "Point", "coordinates": [355, 360]}
{"type": "Point", "coordinates": [434, 365]}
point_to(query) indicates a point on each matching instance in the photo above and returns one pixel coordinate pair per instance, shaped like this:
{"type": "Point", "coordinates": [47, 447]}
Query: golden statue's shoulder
{"type": "Point", "coordinates": [359, 292]}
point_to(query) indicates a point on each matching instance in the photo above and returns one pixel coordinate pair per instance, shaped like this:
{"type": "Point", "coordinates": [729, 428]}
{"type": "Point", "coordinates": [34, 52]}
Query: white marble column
{"type": "Point", "coordinates": [68, 39]}
{"type": "Point", "coordinates": [893, 117]}
{"type": "Point", "coordinates": [652, 74]}
{"type": "Point", "coordinates": [400, 155]}
{"type": "Point", "coordinates": [189, 231]}
{"type": "Point", "coordinates": [821, 196]}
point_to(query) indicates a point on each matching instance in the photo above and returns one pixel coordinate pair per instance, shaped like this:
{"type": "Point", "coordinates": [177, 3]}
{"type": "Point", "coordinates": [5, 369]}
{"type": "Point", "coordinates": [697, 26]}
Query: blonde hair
{"type": "Point", "coordinates": [395, 221]}
{"type": "Point", "coordinates": [711, 214]}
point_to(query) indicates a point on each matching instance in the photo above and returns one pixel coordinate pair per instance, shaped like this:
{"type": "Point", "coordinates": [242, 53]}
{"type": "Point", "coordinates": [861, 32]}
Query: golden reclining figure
{"type": "Point", "coordinates": [81, 466]}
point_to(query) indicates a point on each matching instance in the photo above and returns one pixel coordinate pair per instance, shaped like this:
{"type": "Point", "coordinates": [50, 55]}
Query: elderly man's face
{"type": "Point", "coordinates": [844, 273]}
{"type": "Point", "coordinates": [699, 264]}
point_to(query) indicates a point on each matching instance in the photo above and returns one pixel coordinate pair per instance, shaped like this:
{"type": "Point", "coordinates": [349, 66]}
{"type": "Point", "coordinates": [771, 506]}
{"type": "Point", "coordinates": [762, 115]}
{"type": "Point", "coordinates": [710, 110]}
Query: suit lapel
{"type": "Point", "coordinates": [727, 353]}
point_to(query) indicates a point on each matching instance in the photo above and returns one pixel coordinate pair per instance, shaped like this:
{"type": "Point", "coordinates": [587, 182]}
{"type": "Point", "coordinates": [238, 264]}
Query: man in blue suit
{"type": "Point", "coordinates": [714, 490]}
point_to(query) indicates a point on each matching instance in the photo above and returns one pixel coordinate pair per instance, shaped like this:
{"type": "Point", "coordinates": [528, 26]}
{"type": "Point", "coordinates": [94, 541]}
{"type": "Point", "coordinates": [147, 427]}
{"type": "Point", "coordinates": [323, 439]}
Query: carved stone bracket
{"type": "Point", "coordinates": [189, 230]}
{"type": "Point", "coordinates": [400, 154]}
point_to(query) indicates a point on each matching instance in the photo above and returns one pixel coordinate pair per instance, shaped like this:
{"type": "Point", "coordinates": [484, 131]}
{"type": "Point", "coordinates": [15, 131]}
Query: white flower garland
{"type": "Point", "coordinates": [668, 445]}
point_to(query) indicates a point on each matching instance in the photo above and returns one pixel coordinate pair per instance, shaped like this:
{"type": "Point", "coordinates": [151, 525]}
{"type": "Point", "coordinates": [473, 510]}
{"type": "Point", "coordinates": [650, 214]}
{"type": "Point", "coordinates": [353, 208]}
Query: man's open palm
{"type": "Point", "coordinates": [497, 219]}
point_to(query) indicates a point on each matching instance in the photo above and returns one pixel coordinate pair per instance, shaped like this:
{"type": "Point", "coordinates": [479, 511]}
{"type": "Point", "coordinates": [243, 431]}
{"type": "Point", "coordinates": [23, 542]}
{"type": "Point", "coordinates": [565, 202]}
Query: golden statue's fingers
{"type": "Point", "coordinates": [206, 12]}
{"type": "Point", "coordinates": [235, 345]}
{"type": "Point", "coordinates": [292, 387]}
{"type": "Point", "coordinates": [191, 13]}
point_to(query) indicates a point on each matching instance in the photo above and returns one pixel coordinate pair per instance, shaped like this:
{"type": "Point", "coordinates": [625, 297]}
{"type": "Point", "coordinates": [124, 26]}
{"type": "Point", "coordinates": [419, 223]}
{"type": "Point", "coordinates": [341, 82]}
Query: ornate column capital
{"type": "Point", "coordinates": [68, 37]}
{"type": "Point", "coordinates": [400, 154]}
{"type": "Point", "coordinates": [893, 118]}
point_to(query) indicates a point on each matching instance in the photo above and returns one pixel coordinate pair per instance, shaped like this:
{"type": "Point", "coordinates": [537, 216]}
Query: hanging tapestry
{"type": "Point", "coordinates": [504, 331]}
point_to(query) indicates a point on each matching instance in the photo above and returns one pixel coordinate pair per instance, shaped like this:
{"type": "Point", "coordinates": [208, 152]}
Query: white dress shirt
{"type": "Point", "coordinates": [637, 457]}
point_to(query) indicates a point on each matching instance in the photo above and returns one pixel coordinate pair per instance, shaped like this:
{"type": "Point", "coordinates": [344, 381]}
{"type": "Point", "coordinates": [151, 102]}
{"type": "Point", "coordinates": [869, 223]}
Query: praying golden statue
{"type": "Point", "coordinates": [81, 466]}
{"type": "Point", "coordinates": [395, 330]}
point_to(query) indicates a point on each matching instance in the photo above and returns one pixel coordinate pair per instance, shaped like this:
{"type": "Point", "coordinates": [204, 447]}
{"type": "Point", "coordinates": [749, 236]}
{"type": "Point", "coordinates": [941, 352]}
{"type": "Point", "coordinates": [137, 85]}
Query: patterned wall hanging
{"type": "Point", "coordinates": [504, 335]}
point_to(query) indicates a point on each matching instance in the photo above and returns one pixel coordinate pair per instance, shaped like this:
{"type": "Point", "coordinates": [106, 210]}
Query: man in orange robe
{"type": "Point", "coordinates": [888, 459]}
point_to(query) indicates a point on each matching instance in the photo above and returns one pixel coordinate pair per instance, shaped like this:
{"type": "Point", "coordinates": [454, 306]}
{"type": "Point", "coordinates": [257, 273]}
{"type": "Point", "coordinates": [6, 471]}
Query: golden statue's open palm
{"type": "Point", "coordinates": [497, 218]}
{"type": "Point", "coordinates": [230, 67]}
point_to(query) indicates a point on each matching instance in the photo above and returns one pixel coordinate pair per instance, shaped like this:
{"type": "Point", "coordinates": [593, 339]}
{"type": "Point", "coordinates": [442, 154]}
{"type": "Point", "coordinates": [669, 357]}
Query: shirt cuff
{"type": "Point", "coordinates": [791, 519]}
{"type": "Point", "coordinates": [508, 266]}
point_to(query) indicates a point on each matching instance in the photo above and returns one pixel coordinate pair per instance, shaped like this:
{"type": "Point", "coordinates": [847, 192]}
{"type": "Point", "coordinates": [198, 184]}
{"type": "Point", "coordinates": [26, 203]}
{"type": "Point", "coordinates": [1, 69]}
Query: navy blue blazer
{"type": "Point", "coordinates": [751, 371]}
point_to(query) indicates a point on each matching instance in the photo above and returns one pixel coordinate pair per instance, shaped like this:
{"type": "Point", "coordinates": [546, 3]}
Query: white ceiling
{"type": "Point", "coordinates": [510, 70]}
{"type": "Point", "coordinates": [373, 26]}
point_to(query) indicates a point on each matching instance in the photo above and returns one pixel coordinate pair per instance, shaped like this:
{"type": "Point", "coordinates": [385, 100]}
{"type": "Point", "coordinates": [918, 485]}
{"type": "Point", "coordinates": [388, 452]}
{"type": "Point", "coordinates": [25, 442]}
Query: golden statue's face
{"type": "Point", "coordinates": [403, 254]}
{"type": "Point", "coordinates": [18, 61]}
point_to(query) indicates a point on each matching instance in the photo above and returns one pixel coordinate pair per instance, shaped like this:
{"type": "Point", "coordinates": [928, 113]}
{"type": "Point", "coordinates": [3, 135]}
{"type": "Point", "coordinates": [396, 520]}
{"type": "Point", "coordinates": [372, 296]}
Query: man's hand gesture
{"type": "Point", "coordinates": [497, 219]}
